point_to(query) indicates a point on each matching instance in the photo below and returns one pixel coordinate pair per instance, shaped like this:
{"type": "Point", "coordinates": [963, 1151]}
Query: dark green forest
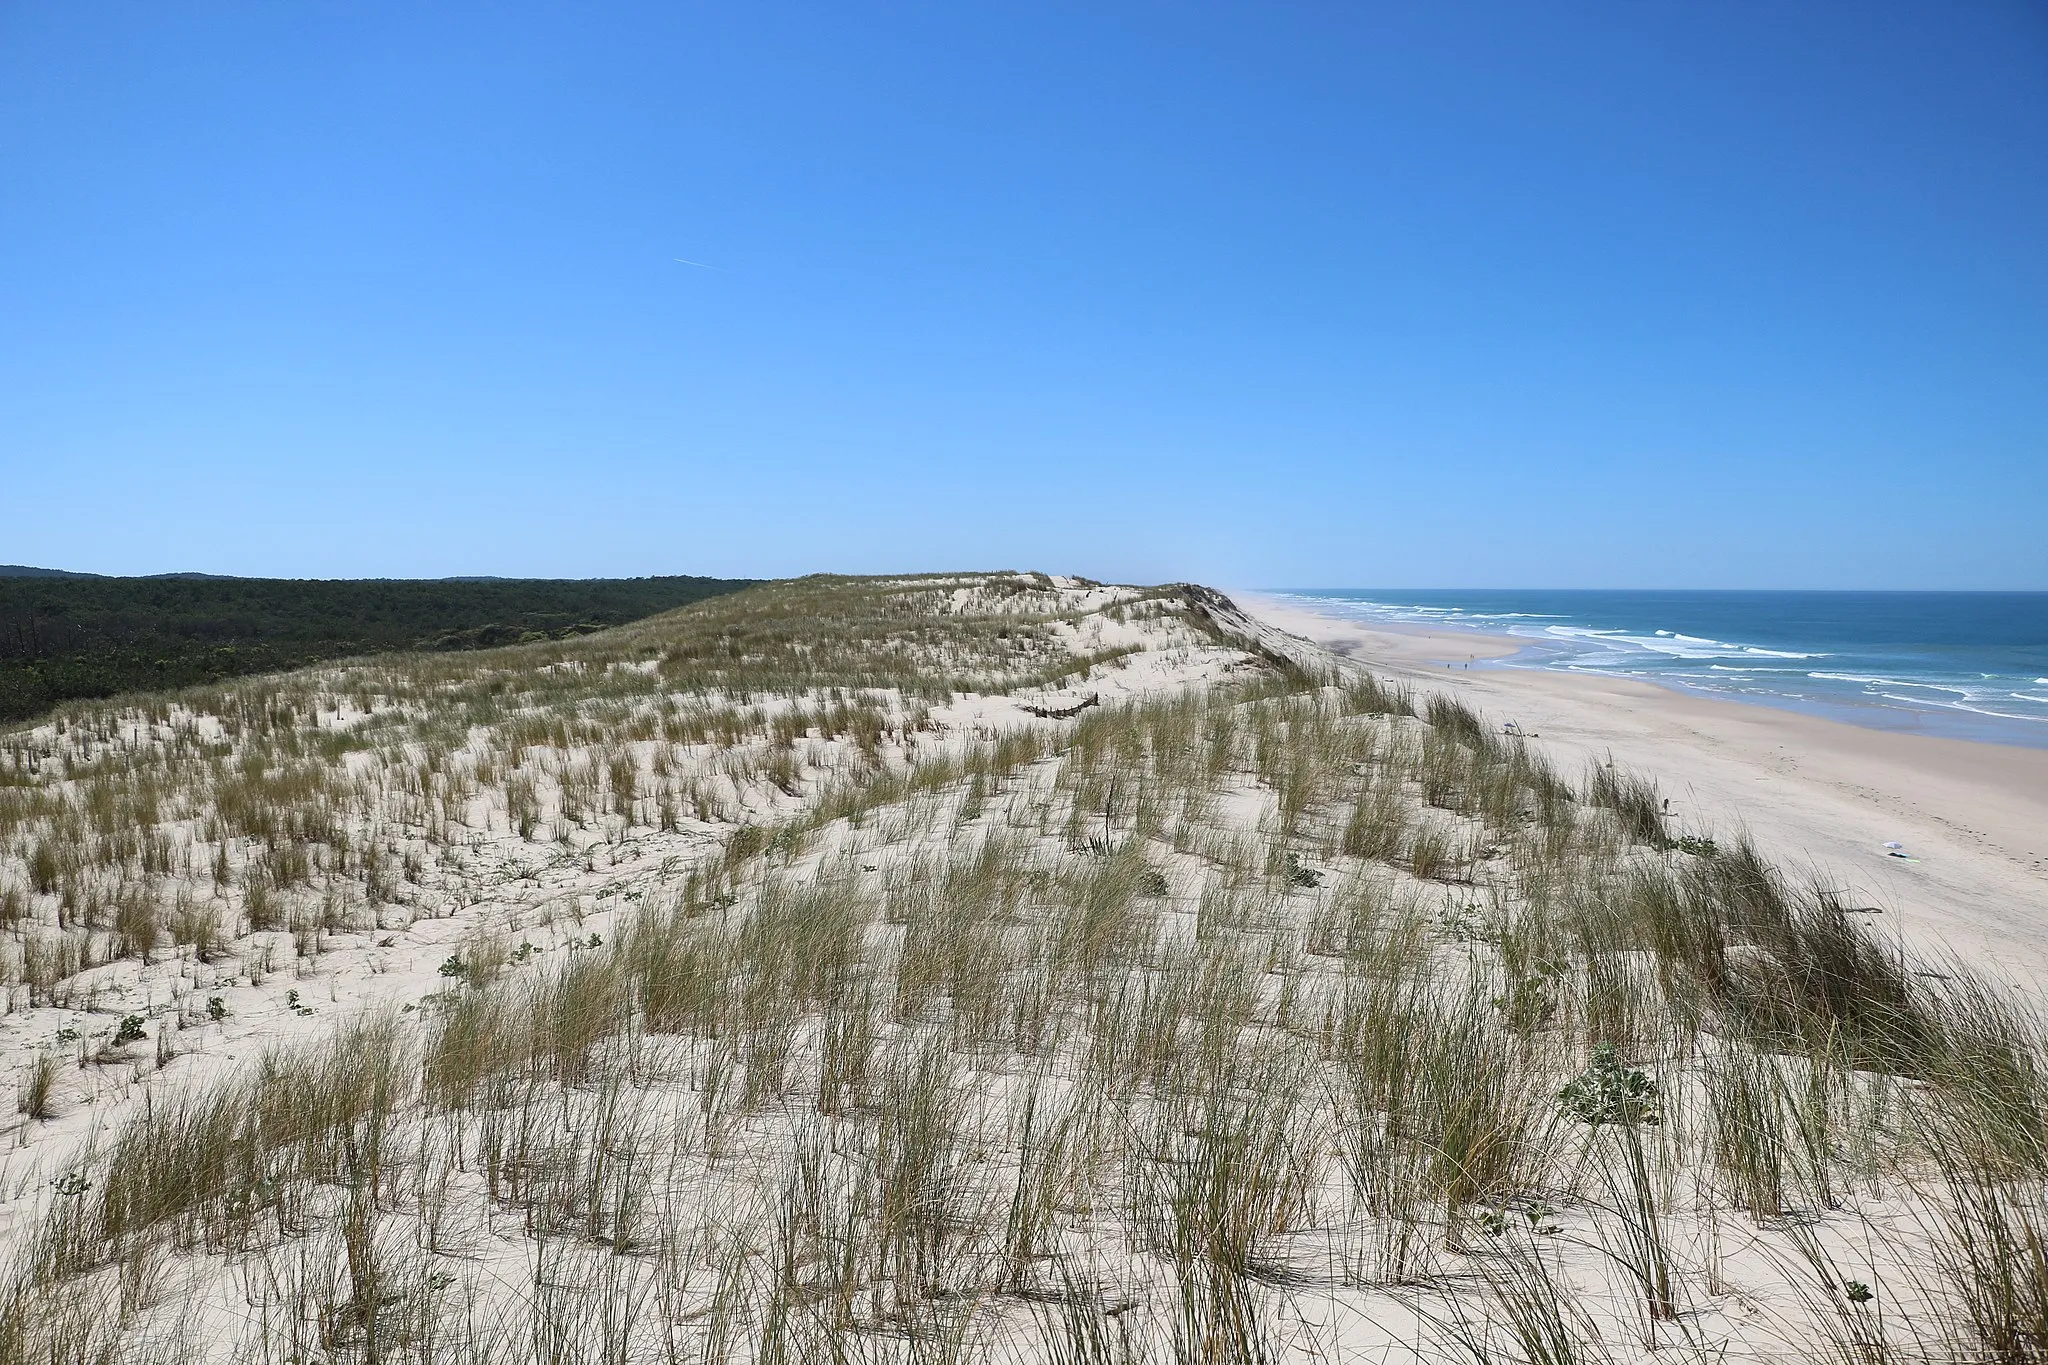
{"type": "Point", "coordinates": [64, 636]}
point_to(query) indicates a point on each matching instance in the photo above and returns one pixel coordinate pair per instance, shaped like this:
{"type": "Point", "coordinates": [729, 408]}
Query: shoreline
{"type": "Point", "coordinates": [1960, 722]}
{"type": "Point", "coordinates": [1817, 794]}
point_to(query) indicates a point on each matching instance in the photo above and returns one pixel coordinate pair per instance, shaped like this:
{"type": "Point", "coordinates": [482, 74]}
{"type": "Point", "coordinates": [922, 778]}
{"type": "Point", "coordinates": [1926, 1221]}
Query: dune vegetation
{"type": "Point", "coordinates": [984, 967]}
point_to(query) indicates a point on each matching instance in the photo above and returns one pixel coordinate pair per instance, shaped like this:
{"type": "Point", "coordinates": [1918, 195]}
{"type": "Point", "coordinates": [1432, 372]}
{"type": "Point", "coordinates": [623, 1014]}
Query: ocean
{"type": "Point", "coordinates": [1966, 665]}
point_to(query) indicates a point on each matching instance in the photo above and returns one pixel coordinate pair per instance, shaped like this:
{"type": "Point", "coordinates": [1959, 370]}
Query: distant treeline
{"type": "Point", "coordinates": [68, 637]}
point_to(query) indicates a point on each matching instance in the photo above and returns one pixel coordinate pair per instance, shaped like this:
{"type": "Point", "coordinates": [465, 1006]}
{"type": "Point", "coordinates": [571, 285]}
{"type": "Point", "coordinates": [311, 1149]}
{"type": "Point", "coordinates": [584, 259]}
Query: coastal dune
{"type": "Point", "coordinates": [1004, 968]}
{"type": "Point", "coordinates": [1815, 794]}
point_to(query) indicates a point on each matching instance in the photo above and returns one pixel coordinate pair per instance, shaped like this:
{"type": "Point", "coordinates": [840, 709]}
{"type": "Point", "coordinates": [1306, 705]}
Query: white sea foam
{"type": "Point", "coordinates": [1949, 696]}
{"type": "Point", "coordinates": [1995, 701]}
{"type": "Point", "coordinates": [1930, 687]}
{"type": "Point", "coordinates": [1878, 680]}
{"type": "Point", "coordinates": [1987, 711]}
{"type": "Point", "coordinates": [1675, 646]}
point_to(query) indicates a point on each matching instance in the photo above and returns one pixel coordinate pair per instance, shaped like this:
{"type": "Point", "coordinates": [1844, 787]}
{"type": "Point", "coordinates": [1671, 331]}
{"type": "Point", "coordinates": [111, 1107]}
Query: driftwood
{"type": "Point", "coordinates": [1064, 712]}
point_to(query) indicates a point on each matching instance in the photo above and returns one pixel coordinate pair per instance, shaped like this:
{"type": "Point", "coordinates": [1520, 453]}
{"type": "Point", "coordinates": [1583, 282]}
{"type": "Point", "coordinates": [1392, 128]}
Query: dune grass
{"type": "Point", "coordinates": [1219, 1026]}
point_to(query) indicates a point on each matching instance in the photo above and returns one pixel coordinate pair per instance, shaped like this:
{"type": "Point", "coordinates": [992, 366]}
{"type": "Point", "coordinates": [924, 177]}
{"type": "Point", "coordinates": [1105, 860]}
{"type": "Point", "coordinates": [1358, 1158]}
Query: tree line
{"type": "Point", "coordinates": [63, 638]}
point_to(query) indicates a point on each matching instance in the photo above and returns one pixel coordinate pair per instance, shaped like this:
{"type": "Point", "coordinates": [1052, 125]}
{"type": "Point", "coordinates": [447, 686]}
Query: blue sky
{"type": "Point", "coordinates": [1623, 294]}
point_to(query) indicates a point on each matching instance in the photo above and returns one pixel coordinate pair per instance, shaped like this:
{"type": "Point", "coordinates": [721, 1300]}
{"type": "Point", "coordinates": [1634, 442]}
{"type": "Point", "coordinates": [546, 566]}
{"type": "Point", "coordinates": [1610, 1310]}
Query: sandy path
{"type": "Point", "coordinates": [1815, 793]}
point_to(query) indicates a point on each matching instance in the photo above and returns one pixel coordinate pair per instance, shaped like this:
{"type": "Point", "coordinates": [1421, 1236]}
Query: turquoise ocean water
{"type": "Point", "coordinates": [1967, 665]}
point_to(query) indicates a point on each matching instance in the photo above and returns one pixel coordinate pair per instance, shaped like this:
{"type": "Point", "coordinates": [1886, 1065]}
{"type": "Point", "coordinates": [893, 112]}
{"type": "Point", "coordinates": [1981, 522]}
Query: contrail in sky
{"type": "Point", "coordinates": [699, 264]}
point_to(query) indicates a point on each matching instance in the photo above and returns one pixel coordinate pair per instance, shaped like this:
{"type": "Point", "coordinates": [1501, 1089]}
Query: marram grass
{"type": "Point", "coordinates": [1277, 1015]}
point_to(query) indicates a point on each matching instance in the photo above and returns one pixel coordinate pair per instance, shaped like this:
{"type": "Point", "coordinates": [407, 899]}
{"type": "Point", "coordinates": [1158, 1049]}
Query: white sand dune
{"type": "Point", "coordinates": [1107, 990]}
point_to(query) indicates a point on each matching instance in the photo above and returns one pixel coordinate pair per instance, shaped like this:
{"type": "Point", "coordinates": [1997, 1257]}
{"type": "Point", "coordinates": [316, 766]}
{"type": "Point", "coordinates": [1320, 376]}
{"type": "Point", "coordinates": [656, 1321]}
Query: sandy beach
{"type": "Point", "coordinates": [1816, 794]}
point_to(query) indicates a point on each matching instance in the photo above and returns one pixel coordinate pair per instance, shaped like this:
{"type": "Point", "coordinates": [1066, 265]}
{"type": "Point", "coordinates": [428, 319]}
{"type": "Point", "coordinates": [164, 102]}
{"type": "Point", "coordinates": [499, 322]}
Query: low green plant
{"type": "Point", "coordinates": [1607, 1092]}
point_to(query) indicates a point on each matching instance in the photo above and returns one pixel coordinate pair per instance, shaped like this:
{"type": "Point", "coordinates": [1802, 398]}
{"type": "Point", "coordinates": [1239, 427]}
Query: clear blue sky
{"type": "Point", "coordinates": [1636, 293]}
